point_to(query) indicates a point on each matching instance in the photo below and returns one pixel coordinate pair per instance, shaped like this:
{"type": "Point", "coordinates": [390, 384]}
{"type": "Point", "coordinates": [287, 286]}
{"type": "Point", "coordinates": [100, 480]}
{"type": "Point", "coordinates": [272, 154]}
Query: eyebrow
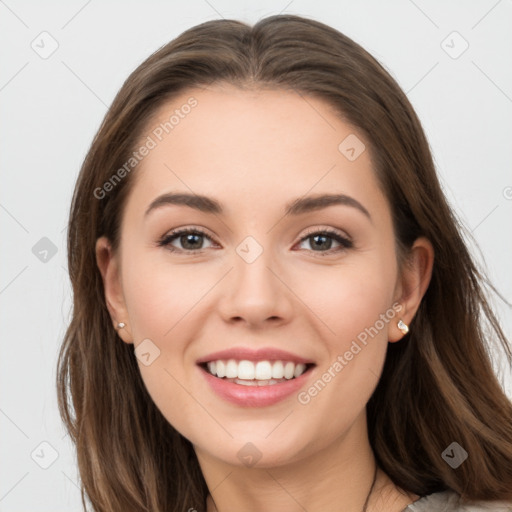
{"type": "Point", "coordinates": [297, 207]}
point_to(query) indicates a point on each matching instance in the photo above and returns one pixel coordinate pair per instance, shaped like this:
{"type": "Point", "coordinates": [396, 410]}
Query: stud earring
{"type": "Point", "coordinates": [120, 325]}
{"type": "Point", "coordinates": [404, 328]}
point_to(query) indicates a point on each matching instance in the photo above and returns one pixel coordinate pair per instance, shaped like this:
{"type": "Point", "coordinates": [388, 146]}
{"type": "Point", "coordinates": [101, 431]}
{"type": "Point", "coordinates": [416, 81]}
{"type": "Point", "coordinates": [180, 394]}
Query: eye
{"type": "Point", "coordinates": [323, 239]}
{"type": "Point", "coordinates": [191, 240]}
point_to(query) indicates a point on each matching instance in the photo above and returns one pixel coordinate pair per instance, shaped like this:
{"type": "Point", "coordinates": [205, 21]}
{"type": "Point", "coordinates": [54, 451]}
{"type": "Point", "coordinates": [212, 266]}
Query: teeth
{"type": "Point", "coordinates": [221, 369]}
{"type": "Point", "coordinates": [278, 370]}
{"type": "Point", "coordinates": [231, 369]}
{"type": "Point", "coordinates": [212, 367]}
{"type": "Point", "coordinates": [289, 370]}
{"type": "Point", "coordinates": [256, 383]}
{"type": "Point", "coordinates": [245, 369]}
{"type": "Point", "coordinates": [265, 371]}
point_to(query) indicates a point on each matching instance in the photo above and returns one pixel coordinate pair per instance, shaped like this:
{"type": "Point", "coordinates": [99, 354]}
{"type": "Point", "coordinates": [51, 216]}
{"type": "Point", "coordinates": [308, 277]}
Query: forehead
{"type": "Point", "coordinates": [236, 144]}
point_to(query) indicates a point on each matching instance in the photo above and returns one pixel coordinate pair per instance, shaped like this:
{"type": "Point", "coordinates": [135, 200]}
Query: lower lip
{"type": "Point", "coordinates": [254, 396]}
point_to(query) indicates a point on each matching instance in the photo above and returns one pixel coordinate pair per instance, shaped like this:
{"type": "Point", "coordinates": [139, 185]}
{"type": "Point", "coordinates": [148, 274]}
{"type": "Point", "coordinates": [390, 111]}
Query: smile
{"type": "Point", "coordinates": [255, 383]}
{"type": "Point", "coordinates": [255, 370]}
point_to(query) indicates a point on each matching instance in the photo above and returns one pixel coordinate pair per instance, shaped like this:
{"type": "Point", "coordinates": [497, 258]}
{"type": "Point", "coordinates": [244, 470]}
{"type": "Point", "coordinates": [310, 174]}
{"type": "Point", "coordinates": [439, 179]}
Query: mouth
{"type": "Point", "coordinates": [255, 373]}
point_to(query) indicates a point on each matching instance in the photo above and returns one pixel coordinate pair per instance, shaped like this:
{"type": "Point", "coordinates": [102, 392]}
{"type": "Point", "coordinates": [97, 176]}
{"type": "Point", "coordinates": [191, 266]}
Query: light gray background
{"type": "Point", "coordinates": [52, 107]}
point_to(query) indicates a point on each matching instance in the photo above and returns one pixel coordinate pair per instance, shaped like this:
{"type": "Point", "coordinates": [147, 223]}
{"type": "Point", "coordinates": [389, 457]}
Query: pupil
{"type": "Point", "coordinates": [189, 242]}
{"type": "Point", "coordinates": [324, 238]}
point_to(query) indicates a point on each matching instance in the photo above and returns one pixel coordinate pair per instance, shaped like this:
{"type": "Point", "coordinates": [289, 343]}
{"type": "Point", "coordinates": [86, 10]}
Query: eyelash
{"type": "Point", "coordinates": [345, 242]}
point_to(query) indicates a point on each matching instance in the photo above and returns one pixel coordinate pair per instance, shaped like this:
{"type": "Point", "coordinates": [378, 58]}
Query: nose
{"type": "Point", "coordinates": [255, 293]}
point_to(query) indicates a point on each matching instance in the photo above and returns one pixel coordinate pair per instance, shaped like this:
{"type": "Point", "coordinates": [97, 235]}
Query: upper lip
{"type": "Point", "coordinates": [262, 354]}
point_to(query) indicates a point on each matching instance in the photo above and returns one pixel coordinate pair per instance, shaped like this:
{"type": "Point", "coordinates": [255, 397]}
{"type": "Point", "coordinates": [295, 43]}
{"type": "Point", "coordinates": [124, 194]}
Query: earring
{"type": "Point", "coordinates": [120, 325]}
{"type": "Point", "coordinates": [403, 327]}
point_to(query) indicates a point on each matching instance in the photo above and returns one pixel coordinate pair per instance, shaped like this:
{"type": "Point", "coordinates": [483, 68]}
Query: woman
{"type": "Point", "coordinates": [274, 308]}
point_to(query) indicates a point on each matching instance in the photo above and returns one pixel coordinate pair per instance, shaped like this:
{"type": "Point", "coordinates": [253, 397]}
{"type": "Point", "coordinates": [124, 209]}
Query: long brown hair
{"type": "Point", "coordinates": [438, 385]}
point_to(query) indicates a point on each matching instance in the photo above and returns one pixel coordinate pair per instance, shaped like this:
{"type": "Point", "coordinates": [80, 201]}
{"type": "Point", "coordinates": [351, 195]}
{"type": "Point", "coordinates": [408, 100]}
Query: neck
{"type": "Point", "coordinates": [342, 472]}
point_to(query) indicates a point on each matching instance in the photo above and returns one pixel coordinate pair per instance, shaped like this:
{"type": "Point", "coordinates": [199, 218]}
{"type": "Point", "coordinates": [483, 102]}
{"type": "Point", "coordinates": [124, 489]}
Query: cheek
{"type": "Point", "coordinates": [160, 299]}
{"type": "Point", "coordinates": [158, 295]}
{"type": "Point", "coordinates": [350, 298]}
{"type": "Point", "coordinates": [355, 307]}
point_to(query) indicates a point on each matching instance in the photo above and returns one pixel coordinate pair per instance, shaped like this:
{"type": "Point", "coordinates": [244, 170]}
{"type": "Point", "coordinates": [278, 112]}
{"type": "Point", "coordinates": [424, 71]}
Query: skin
{"type": "Point", "coordinates": [254, 151]}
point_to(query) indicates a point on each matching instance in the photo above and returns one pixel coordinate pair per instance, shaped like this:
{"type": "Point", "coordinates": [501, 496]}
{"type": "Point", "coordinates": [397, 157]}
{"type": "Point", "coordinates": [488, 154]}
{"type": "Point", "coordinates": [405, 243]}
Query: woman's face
{"type": "Point", "coordinates": [261, 274]}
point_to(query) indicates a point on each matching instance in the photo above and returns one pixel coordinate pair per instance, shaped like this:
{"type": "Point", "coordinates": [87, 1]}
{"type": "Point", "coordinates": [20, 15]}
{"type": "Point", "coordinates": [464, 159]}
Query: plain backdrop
{"type": "Point", "coordinates": [452, 59]}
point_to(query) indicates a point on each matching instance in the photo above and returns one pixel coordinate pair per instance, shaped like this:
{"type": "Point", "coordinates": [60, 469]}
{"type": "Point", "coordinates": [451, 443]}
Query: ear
{"type": "Point", "coordinates": [108, 263]}
{"type": "Point", "coordinates": [412, 284]}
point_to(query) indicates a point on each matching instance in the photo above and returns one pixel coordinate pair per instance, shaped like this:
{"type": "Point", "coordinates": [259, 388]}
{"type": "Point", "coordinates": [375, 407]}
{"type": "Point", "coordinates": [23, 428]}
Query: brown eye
{"type": "Point", "coordinates": [191, 240]}
{"type": "Point", "coordinates": [322, 241]}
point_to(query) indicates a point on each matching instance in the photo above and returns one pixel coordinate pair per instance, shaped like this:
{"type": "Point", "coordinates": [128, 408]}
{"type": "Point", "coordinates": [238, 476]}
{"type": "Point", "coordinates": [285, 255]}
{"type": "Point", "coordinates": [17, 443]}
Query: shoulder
{"type": "Point", "coordinates": [450, 501]}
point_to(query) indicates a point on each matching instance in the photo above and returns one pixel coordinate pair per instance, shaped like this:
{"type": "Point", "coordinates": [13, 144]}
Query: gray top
{"type": "Point", "coordinates": [448, 501]}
